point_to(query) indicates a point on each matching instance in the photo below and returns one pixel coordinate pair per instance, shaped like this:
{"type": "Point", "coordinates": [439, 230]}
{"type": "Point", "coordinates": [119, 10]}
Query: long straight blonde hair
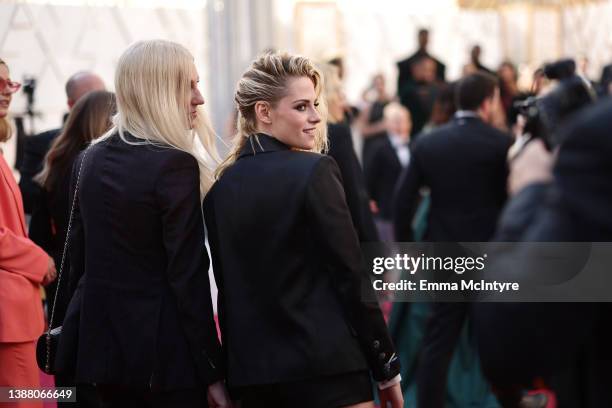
{"type": "Point", "coordinates": [153, 88]}
{"type": "Point", "coordinates": [266, 80]}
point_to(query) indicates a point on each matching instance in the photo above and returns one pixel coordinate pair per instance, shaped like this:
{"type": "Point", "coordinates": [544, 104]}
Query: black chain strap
{"type": "Point", "coordinates": [59, 276]}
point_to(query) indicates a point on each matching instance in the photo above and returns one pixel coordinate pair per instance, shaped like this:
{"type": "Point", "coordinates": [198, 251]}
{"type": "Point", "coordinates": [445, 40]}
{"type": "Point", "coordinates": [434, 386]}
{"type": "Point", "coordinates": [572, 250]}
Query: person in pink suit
{"type": "Point", "coordinates": [23, 268]}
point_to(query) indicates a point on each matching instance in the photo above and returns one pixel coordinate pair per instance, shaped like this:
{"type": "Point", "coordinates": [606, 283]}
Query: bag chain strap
{"type": "Point", "coordinates": [59, 276]}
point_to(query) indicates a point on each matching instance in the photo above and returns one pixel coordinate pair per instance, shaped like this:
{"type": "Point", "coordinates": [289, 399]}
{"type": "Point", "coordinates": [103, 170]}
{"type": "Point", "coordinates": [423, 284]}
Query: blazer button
{"type": "Point", "coordinates": [382, 356]}
{"type": "Point", "coordinates": [376, 344]}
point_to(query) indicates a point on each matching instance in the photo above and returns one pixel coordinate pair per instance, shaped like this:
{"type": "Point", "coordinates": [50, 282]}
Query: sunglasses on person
{"type": "Point", "coordinates": [10, 85]}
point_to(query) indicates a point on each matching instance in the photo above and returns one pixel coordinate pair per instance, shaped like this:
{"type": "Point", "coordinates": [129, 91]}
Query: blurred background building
{"type": "Point", "coordinates": [50, 40]}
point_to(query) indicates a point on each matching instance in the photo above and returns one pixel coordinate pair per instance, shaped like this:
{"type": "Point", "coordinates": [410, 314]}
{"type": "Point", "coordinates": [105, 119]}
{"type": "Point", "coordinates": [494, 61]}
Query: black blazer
{"type": "Point", "coordinates": [48, 230]}
{"type": "Point", "coordinates": [289, 269]}
{"type": "Point", "coordinates": [342, 150]}
{"type": "Point", "coordinates": [464, 165]}
{"type": "Point", "coordinates": [142, 315]}
{"type": "Point", "coordinates": [382, 174]}
{"type": "Point", "coordinates": [36, 147]}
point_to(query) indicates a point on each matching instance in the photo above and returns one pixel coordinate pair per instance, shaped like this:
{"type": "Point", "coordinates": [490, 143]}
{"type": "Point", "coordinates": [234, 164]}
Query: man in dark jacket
{"type": "Point", "coordinates": [389, 157]}
{"type": "Point", "coordinates": [463, 164]}
{"type": "Point", "coordinates": [37, 146]}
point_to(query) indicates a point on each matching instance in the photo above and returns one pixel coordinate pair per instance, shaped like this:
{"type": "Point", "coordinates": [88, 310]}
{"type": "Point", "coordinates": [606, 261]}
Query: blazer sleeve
{"type": "Point", "coordinates": [22, 256]}
{"type": "Point", "coordinates": [178, 190]}
{"type": "Point", "coordinates": [406, 199]}
{"type": "Point", "coordinates": [18, 254]}
{"type": "Point", "coordinates": [329, 217]}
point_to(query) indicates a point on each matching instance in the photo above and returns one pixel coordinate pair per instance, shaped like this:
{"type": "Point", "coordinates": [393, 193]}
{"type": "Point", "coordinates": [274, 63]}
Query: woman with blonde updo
{"type": "Point", "coordinates": [286, 256]}
{"type": "Point", "coordinates": [140, 325]}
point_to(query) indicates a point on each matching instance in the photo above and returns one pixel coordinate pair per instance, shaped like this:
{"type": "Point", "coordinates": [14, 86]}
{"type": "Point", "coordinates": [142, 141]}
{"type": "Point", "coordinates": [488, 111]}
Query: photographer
{"type": "Point", "coordinates": [563, 196]}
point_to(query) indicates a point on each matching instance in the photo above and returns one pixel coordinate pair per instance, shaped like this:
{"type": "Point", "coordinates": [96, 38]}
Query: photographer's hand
{"type": "Point", "coordinates": [533, 165]}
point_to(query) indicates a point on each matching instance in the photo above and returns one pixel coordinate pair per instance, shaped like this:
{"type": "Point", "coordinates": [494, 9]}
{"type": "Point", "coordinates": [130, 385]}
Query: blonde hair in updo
{"type": "Point", "coordinates": [266, 80]}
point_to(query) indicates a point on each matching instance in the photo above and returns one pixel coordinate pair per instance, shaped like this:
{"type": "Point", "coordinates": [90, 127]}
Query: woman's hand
{"type": "Point", "coordinates": [391, 397]}
{"type": "Point", "coordinates": [51, 273]}
{"type": "Point", "coordinates": [218, 396]}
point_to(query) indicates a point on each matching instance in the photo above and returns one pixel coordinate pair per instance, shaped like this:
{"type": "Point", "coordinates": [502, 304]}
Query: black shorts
{"type": "Point", "coordinates": [321, 392]}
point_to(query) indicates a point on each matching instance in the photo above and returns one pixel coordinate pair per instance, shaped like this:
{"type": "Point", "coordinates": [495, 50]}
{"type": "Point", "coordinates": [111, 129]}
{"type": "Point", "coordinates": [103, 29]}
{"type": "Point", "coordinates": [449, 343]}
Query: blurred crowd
{"type": "Point", "coordinates": [477, 159]}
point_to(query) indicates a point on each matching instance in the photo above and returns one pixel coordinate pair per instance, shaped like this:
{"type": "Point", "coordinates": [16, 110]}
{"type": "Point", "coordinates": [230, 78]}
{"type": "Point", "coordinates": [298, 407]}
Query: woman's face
{"type": "Point", "coordinates": [6, 93]}
{"type": "Point", "coordinates": [294, 119]}
{"type": "Point", "coordinates": [196, 97]}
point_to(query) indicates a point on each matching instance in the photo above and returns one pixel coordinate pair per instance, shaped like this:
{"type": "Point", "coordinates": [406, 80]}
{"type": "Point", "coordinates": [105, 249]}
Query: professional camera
{"type": "Point", "coordinates": [545, 113]}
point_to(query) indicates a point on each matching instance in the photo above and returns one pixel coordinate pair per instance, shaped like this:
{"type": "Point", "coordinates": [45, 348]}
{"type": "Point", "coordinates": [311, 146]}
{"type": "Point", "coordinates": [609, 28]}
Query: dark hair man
{"type": "Point", "coordinates": [463, 164]}
{"type": "Point", "coordinates": [37, 146]}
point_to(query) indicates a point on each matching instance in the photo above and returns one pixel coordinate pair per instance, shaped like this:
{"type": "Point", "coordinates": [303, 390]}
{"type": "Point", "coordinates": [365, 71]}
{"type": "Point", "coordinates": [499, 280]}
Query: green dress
{"type": "Point", "coordinates": [466, 385]}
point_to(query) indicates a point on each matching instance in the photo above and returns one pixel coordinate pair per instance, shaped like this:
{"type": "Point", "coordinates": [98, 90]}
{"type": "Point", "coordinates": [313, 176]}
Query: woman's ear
{"type": "Point", "coordinates": [263, 112]}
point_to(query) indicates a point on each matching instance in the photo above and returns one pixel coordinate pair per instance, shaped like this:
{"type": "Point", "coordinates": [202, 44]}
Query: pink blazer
{"type": "Point", "coordinates": [23, 265]}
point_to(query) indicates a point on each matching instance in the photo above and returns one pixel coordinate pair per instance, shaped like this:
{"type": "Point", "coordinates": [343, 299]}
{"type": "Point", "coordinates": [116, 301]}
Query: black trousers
{"type": "Point", "coordinates": [441, 337]}
{"type": "Point", "coordinates": [322, 392]}
{"type": "Point", "coordinates": [121, 397]}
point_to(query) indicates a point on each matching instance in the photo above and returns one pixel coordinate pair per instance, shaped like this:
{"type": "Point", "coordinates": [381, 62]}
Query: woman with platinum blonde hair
{"type": "Point", "coordinates": [286, 256]}
{"type": "Point", "coordinates": [140, 325]}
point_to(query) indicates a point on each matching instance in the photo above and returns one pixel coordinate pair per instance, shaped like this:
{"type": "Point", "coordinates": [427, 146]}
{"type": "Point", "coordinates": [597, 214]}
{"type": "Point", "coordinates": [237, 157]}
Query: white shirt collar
{"type": "Point", "coordinates": [396, 140]}
{"type": "Point", "coordinates": [460, 114]}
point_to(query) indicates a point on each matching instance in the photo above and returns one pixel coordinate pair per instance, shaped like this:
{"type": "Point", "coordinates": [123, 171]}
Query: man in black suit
{"type": "Point", "coordinates": [405, 66]}
{"type": "Point", "coordinates": [37, 146]}
{"type": "Point", "coordinates": [389, 157]}
{"type": "Point", "coordinates": [419, 94]}
{"type": "Point", "coordinates": [464, 165]}
{"type": "Point", "coordinates": [475, 65]}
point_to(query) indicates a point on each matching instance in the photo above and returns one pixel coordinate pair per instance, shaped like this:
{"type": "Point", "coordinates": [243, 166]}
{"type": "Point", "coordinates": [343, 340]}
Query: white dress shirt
{"type": "Point", "coordinates": [401, 149]}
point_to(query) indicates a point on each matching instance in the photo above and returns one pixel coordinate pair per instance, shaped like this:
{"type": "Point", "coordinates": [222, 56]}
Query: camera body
{"type": "Point", "coordinates": [545, 113]}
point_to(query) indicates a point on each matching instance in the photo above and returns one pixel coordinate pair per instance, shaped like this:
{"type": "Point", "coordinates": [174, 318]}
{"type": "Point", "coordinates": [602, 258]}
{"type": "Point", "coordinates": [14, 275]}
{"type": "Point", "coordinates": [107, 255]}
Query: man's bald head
{"type": "Point", "coordinates": [81, 83]}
